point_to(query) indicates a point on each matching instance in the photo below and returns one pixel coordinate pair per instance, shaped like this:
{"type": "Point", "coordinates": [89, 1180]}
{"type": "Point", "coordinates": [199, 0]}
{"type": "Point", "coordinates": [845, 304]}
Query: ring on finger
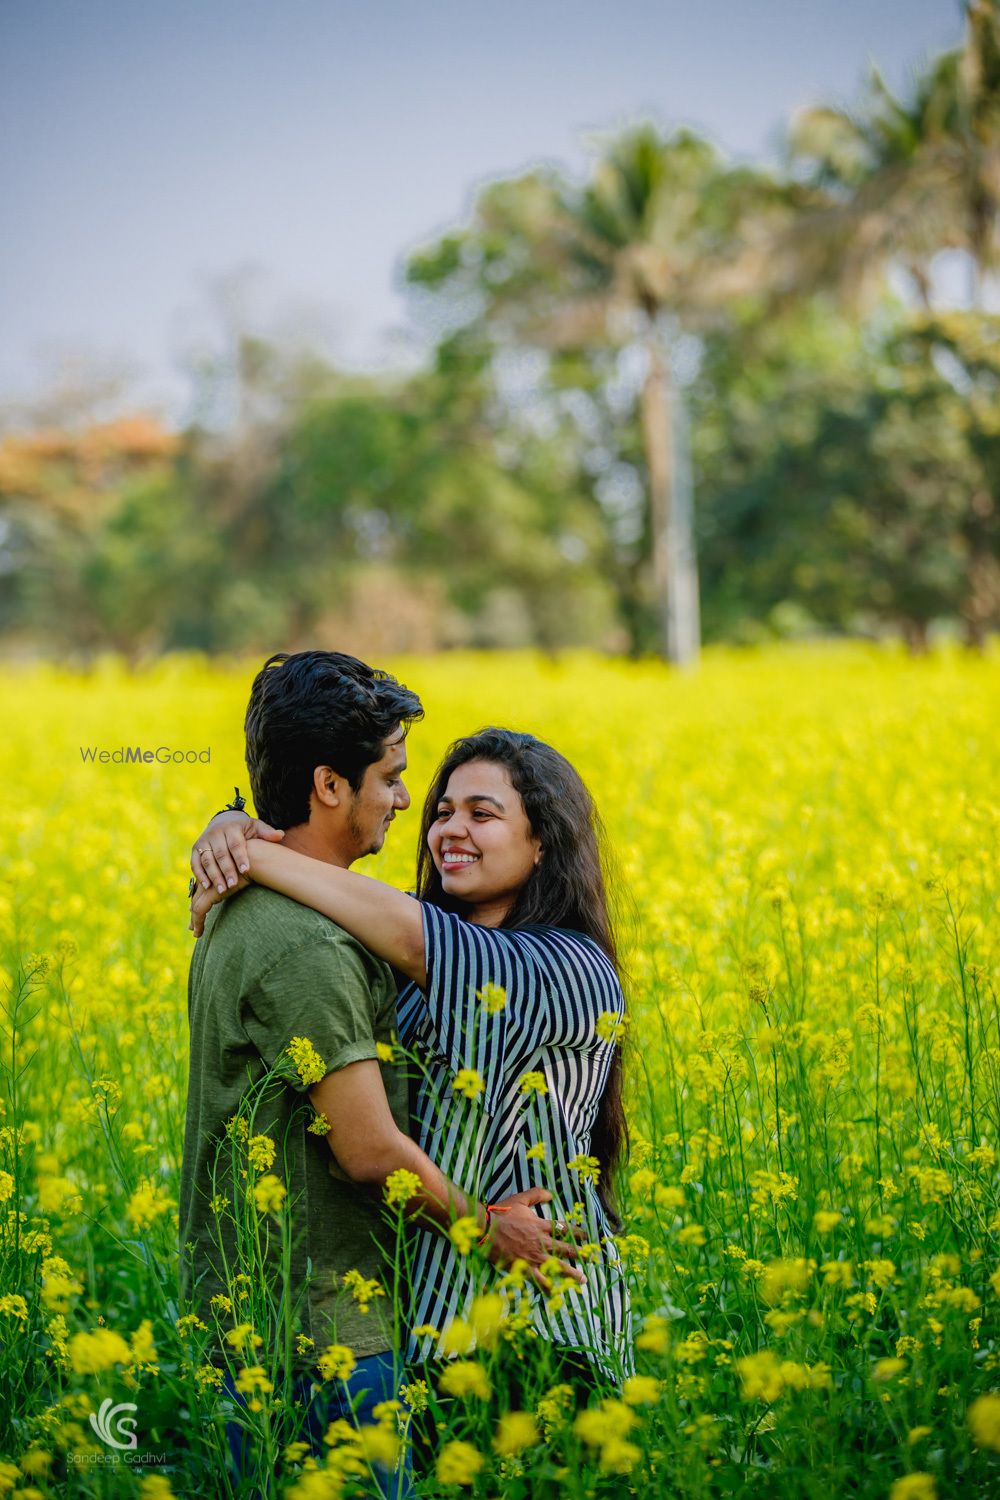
{"type": "Point", "coordinates": [204, 853]}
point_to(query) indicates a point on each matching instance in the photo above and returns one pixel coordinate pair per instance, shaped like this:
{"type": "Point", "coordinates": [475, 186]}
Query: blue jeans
{"type": "Point", "coordinates": [372, 1380]}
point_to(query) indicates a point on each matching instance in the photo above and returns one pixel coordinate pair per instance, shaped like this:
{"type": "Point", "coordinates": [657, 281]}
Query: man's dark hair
{"type": "Point", "coordinates": [317, 708]}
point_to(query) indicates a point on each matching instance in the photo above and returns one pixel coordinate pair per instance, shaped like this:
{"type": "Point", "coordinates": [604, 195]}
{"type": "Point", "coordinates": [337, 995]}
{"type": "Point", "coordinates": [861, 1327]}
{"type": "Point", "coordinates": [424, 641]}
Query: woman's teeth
{"type": "Point", "coordinates": [458, 859]}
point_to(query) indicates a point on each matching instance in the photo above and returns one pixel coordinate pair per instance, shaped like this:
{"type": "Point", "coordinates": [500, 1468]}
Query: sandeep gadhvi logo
{"type": "Point", "coordinates": [133, 755]}
{"type": "Point", "coordinates": [107, 1421]}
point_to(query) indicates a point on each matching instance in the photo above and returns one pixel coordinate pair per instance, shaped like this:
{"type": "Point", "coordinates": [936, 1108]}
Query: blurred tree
{"type": "Point", "coordinates": [902, 179]}
{"type": "Point", "coordinates": [848, 481]}
{"type": "Point", "coordinates": [624, 261]}
{"type": "Point", "coordinates": [431, 477]}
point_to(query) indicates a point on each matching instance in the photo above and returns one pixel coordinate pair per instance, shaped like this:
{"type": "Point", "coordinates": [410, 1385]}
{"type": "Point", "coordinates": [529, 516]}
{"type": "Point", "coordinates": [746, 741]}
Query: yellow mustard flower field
{"type": "Point", "coordinates": [806, 846]}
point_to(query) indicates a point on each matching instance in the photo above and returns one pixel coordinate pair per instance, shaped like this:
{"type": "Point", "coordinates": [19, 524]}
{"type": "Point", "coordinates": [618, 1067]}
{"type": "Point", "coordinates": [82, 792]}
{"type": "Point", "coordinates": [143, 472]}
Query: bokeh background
{"type": "Point", "coordinates": [399, 327]}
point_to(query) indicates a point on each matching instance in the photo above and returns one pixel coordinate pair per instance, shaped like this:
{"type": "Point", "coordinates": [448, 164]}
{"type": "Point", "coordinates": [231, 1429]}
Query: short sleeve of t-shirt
{"type": "Point", "coordinates": [321, 991]}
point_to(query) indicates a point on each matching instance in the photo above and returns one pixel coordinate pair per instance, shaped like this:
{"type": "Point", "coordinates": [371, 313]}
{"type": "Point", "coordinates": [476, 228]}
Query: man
{"type": "Point", "coordinates": [326, 751]}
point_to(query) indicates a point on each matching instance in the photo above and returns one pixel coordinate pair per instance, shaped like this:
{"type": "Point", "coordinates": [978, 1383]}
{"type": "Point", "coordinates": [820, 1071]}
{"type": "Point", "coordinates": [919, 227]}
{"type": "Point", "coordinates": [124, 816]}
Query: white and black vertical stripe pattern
{"type": "Point", "coordinates": [558, 984]}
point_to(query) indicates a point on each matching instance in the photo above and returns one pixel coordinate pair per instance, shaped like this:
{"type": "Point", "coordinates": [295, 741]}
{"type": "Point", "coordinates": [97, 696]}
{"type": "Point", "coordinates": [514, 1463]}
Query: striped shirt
{"type": "Point", "coordinates": [557, 985]}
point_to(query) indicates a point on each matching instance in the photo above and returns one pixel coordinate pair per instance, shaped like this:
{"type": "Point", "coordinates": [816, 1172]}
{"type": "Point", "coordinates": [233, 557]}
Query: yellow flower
{"type": "Point", "coordinates": [783, 1277]}
{"type": "Point", "coordinates": [143, 1349]}
{"type": "Point", "coordinates": [825, 1220]}
{"type": "Point", "coordinates": [379, 1445]}
{"type": "Point", "coordinates": [641, 1390]}
{"type": "Point", "coordinates": [209, 1377]}
{"type": "Point", "coordinates": [155, 1487]}
{"type": "Point", "coordinates": [336, 1362]}
{"type": "Point", "coordinates": [654, 1336]}
{"type": "Point", "coordinates": [468, 1082]}
{"type": "Point", "coordinates": [601, 1424]}
{"type": "Point", "coordinates": [914, 1487]}
{"type": "Point", "coordinates": [35, 1462]}
{"type": "Point", "coordinates": [269, 1194]}
{"type": "Point", "coordinates": [319, 1124]}
{"type": "Point", "coordinates": [308, 1064]}
{"type": "Point", "coordinates": [983, 1418]}
{"type": "Point", "coordinates": [459, 1463]}
{"type": "Point", "coordinates": [465, 1377]}
{"type": "Point", "coordinates": [91, 1353]}
{"type": "Point", "coordinates": [554, 1407]}
{"type": "Point", "coordinates": [536, 1152]}
{"type": "Point", "coordinates": [534, 1083]}
{"type": "Point", "coordinates": [917, 1435]}
{"type": "Point", "coordinates": [252, 1379]}
{"type": "Point", "coordinates": [10, 1475]}
{"type": "Point", "coordinates": [400, 1186]}
{"type": "Point", "coordinates": [147, 1204]}
{"type": "Point", "coordinates": [14, 1306]}
{"type": "Point", "coordinates": [416, 1396]}
{"type": "Point", "coordinates": [242, 1337]}
{"type": "Point", "coordinates": [458, 1337]}
{"type": "Point", "coordinates": [642, 1182]}
{"type": "Point", "coordinates": [516, 1431]}
{"type": "Point", "coordinates": [485, 1317]}
{"type": "Point", "coordinates": [619, 1457]}
{"type": "Point", "coordinates": [362, 1290]}
{"type": "Point", "coordinates": [260, 1149]}
{"type": "Point", "coordinates": [587, 1168]}
{"type": "Point", "coordinates": [493, 998]}
{"type": "Point", "coordinates": [887, 1369]}
{"type": "Point", "coordinates": [464, 1233]}
{"type": "Point", "coordinates": [6, 1186]}
{"type": "Point", "coordinates": [385, 1051]}
{"type": "Point", "coordinates": [760, 1376]}
{"type": "Point", "coordinates": [611, 1026]}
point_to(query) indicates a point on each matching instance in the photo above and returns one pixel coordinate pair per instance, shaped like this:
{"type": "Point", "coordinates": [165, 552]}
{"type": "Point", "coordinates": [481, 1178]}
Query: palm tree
{"type": "Point", "coordinates": [899, 181]}
{"type": "Point", "coordinates": [902, 179]}
{"type": "Point", "coordinates": [623, 260]}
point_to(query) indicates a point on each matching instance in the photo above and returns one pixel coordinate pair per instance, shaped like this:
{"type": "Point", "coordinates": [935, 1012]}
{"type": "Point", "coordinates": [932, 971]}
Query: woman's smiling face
{"type": "Point", "coordinates": [481, 840]}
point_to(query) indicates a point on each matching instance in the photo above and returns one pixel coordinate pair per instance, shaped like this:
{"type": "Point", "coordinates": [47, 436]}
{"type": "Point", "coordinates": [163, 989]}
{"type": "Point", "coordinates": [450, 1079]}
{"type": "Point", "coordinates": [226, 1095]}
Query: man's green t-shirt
{"type": "Point", "coordinates": [267, 970]}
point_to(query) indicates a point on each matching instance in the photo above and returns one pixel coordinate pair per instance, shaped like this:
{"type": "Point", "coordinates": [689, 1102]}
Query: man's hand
{"type": "Point", "coordinates": [518, 1233]}
{"type": "Point", "coordinates": [219, 855]}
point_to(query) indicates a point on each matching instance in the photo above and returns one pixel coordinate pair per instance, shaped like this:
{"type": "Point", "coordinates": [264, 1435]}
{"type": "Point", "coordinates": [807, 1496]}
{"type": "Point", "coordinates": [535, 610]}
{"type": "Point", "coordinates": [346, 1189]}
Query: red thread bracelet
{"type": "Point", "coordinates": [491, 1208]}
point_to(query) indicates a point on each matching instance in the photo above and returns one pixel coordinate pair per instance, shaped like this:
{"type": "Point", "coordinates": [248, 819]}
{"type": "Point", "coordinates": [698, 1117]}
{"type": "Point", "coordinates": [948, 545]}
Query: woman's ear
{"type": "Point", "coordinates": [539, 854]}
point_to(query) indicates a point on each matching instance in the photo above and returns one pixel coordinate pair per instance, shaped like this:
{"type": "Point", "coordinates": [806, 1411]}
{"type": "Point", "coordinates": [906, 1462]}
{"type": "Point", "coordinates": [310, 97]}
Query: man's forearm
{"type": "Point", "coordinates": [437, 1198]}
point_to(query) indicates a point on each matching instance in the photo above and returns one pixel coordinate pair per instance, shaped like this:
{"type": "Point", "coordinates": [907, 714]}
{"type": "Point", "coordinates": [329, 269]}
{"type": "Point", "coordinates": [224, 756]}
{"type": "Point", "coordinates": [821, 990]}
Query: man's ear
{"type": "Point", "coordinates": [328, 786]}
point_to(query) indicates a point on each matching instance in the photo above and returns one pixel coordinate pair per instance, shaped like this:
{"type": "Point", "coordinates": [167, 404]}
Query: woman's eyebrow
{"type": "Point", "coordinates": [476, 797]}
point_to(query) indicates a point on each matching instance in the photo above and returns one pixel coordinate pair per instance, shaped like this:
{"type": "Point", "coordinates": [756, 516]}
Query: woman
{"type": "Point", "coordinates": [513, 1006]}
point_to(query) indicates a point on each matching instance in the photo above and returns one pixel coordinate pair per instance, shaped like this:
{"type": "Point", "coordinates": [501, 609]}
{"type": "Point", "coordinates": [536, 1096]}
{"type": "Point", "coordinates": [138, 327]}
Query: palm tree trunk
{"type": "Point", "coordinates": [675, 576]}
{"type": "Point", "coordinates": [685, 615]}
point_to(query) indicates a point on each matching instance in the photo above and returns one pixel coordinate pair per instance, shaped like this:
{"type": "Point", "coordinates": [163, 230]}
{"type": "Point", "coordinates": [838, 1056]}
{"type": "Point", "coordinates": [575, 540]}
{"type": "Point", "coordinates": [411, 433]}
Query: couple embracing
{"type": "Point", "coordinates": [499, 983]}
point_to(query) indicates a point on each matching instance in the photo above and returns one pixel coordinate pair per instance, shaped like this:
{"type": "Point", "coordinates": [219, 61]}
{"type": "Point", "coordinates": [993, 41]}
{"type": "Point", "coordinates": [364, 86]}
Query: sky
{"type": "Point", "coordinates": [296, 151]}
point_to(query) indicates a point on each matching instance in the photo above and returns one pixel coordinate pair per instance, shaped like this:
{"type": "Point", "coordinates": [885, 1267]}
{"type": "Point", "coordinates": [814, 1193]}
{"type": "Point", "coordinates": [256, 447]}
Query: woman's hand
{"type": "Point", "coordinates": [518, 1233]}
{"type": "Point", "coordinates": [202, 902]}
{"type": "Point", "coordinates": [219, 855]}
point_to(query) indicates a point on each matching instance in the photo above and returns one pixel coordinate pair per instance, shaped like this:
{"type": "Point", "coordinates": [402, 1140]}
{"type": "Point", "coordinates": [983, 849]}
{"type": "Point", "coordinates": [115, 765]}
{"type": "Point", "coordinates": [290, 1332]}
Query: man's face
{"type": "Point", "coordinates": [379, 798]}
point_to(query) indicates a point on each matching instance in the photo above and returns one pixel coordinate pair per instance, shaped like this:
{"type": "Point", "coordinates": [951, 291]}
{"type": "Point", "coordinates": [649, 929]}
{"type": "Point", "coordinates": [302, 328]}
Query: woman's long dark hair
{"type": "Point", "coordinates": [565, 889]}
